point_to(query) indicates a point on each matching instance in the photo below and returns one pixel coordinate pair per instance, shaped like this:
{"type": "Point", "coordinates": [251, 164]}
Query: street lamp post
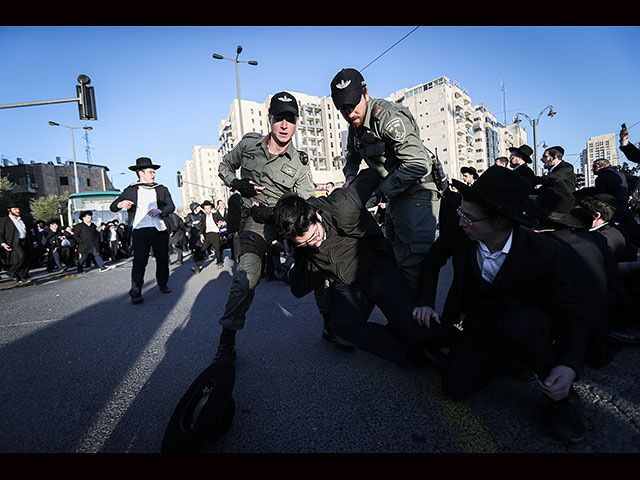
{"type": "Point", "coordinates": [236, 61]}
{"type": "Point", "coordinates": [73, 145]}
{"type": "Point", "coordinates": [534, 124]}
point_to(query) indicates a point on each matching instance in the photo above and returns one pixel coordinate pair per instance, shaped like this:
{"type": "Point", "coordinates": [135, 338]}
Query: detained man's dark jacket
{"type": "Point", "coordinates": [354, 241]}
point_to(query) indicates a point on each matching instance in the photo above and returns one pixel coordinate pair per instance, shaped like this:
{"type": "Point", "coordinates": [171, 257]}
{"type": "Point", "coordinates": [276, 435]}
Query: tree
{"type": "Point", "coordinates": [49, 208]}
{"type": "Point", "coordinates": [6, 194]}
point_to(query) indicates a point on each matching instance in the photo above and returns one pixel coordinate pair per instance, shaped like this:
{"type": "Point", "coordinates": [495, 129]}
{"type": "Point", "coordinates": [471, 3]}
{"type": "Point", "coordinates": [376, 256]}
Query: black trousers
{"type": "Point", "coordinates": [146, 240]}
{"type": "Point", "coordinates": [211, 239]}
{"type": "Point", "coordinates": [350, 307]}
{"type": "Point", "coordinates": [18, 260]}
{"type": "Point", "coordinates": [488, 347]}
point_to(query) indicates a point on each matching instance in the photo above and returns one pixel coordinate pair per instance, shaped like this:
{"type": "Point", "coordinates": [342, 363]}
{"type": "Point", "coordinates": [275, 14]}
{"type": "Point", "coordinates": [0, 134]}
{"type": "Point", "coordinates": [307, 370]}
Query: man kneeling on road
{"type": "Point", "coordinates": [336, 237]}
{"type": "Point", "coordinates": [512, 293]}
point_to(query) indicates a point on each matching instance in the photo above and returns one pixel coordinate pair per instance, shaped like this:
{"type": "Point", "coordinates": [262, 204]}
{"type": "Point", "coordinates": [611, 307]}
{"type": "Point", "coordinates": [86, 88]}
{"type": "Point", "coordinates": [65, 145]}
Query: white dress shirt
{"type": "Point", "coordinates": [491, 263]}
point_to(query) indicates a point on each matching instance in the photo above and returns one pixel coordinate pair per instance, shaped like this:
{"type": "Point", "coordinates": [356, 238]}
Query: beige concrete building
{"type": "Point", "coordinates": [200, 179]}
{"type": "Point", "coordinates": [600, 146]}
{"type": "Point", "coordinates": [451, 126]}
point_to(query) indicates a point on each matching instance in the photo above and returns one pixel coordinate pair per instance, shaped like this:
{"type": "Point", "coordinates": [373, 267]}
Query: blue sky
{"type": "Point", "coordinates": [159, 91]}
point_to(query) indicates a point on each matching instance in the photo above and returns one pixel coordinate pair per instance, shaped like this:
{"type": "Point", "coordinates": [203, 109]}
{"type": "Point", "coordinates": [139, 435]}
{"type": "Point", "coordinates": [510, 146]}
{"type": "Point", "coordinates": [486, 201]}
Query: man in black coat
{"type": "Point", "coordinates": [520, 159]}
{"type": "Point", "coordinates": [336, 237]}
{"type": "Point", "coordinates": [52, 238]}
{"type": "Point", "coordinates": [177, 233]}
{"type": "Point", "coordinates": [17, 241]}
{"type": "Point", "coordinates": [585, 265]}
{"type": "Point", "coordinates": [148, 203]}
{"type": "Point", "coordinates": [511, 294]}
{"type": "Point", "coordinates": [560, 174]}
{"type": "Point", "coordinates": [88, 240]}
{"type": "Point", "coordinates": [193, 222]}
{"type": "Point", "coordinates": [209, 237]}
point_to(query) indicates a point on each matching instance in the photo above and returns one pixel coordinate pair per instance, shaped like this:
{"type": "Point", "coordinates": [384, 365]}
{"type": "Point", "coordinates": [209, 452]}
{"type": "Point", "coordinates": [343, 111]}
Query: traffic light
{"type": "Point", "coordinates": [86, 99]}
{"type": "Point", "coordinates": [179, 179]}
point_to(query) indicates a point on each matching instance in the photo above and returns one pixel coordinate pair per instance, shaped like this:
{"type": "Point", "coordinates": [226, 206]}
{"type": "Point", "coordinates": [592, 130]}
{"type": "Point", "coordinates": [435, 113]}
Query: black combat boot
{"type": "Point", "coordinates": [329, 335]}
{"type": "Point", "coordinates": [227, 346]}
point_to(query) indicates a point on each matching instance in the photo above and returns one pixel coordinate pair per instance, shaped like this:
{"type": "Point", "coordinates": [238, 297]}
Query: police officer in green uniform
{"type": "Point", "coordinates": [386, 137]}
{"type": "Point", "coordinates": [269, 167]}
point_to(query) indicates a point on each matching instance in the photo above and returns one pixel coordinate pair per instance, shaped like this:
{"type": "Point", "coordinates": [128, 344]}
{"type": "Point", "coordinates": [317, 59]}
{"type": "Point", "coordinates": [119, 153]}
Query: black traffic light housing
{"type": "Point", "coordinates": [86, 99]}
{"type": "Point", "coordinates": [179, 179]}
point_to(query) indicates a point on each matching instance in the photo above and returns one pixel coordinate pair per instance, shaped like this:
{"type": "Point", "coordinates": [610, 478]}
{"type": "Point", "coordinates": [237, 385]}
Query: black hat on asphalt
{"type": "Point", "coordinates": [142, 163]}
{"type": "Point", "coordinates": [283, 102]}
{"type": "Point", "coordinates": [205, 411]}
{"type": "Point", "coordinates": [347, 87]}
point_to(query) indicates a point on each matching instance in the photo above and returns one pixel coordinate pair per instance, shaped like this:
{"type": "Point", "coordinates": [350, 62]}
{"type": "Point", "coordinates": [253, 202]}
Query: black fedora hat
{"type": "Point", "coordinates": [207, 202]}
{"type": "Point", "coordinates": [554, 205]}
{"type": "Point", "coordinates": [471, 171]}
{"type": "Point", "coordinates": [143, 162]}
{"type": "Point", "coordinates": [205, 411]}
{"type": "Point", "coordinates": [523, 151]}
{"type": "Point", "coordinates": [500, 190]}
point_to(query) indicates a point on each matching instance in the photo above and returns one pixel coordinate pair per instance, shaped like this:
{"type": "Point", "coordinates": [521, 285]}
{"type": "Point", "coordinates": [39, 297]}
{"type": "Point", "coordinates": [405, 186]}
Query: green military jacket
{"type": "Point", "coordinates": [389, 141]}
{"type": "Point", "coordinates": [287, 172]}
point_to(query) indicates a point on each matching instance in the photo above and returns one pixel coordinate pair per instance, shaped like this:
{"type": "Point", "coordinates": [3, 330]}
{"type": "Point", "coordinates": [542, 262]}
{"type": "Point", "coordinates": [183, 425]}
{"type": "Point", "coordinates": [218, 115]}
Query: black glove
{"type": "Point", "coordinates": [261, 213]}
{"type": "Point", "coordinates": [244, 187]}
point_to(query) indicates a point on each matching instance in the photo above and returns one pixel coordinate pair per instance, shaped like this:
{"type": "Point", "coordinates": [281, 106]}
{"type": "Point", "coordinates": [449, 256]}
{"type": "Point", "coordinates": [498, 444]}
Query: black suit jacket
{"type": "Point", "coordinates": [527, 173]}
{"type": "Point", "coordinates": [165, 203]}
{"type": "Point", "coordinates": [561, 177]}
{"type": "Point", "coordinates": [533, 275]}
{"type": "Point", "coordinates": [631, 152]}
{"type": "Point", "coordinates": [9, 233]}
{"type": "Point", "coordinates": [587, 272]}
{"type": "Point", "coordinates": [87, 237]}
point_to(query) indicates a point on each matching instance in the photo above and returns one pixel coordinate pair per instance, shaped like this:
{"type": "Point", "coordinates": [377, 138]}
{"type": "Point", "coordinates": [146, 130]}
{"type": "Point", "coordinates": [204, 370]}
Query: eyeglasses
{"type": "Point", "coordinates": [470, 221]}
{"type": "Point", "coordinates": [312, 238]}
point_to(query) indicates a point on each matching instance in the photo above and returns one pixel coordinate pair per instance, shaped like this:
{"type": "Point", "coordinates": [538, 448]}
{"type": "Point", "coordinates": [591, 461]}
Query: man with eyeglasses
{"type": "Point", "coordinates": [386, 136]}
{"type": "Point", "coordinates": [269, 167]}
{"type": "Point", "coordinates": [336, 237]}
{"type": "Point", "coordinates": [511, 297]}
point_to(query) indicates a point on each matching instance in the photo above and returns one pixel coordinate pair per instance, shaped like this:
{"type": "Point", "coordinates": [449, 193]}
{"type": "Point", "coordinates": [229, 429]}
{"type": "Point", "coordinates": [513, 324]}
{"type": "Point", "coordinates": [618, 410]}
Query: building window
{"type": "Point", "coordinates": [64, 180]}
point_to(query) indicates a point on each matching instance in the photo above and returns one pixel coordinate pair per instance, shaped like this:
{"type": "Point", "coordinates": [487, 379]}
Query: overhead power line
{"type": "Point", "coordinates": [375, 59]}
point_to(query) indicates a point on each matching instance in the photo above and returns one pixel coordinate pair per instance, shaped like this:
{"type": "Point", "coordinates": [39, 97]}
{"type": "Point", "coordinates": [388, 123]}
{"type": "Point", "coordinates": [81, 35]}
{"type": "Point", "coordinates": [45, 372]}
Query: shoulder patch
{"type": "Point", "coordinates": [395, 129]}
{"type": "Point", "coordinates": [304, 158]}
{"type": "Point", "coordinates": [377, 110]}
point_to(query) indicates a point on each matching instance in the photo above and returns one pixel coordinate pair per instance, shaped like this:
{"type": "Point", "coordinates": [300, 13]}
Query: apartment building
{"type": "Point", "coordinates": [200, 179]}
{"type": "Point", "coordinates": [462, 134]}
{"type": "Point", "coordinates": [598, 147]}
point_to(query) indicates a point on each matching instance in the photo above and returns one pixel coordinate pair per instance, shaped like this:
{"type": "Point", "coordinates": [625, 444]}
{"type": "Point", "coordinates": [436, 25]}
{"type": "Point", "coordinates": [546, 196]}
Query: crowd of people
{"type": "Point", "coordinates": [58, 248]}
{"type": "Point", "coordinates": [546, 277]}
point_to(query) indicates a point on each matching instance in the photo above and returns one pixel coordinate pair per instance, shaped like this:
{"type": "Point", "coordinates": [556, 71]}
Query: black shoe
{"type": "Point", "coordinates": [329, 336]}
{"type": "Point", "coordinates": [630, 334]}
{"type": "Point", "coordinates": [195, 269]}
{"type": "Point", "coordinates": [563, 420]}
{"type": "Point", "coordinates": [136, 297]}
{"type": "Point", "coordinates": [227, 347]}
{"type": "Point", "coordinates": [165, 289]}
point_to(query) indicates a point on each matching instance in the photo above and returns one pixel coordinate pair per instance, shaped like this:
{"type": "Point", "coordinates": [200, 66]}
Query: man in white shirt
{"type": "Point", "coordinates": [209, 237]}
{"type": "Point", "coordinates": [16, 241]}
{"type": "Point", "coordinates": [148, 203]}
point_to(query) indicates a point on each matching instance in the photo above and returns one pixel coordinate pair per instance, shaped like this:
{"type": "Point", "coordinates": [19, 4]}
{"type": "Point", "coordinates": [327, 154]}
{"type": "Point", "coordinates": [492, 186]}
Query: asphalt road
{"type": "Point", "coordinates": [83, 370]}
